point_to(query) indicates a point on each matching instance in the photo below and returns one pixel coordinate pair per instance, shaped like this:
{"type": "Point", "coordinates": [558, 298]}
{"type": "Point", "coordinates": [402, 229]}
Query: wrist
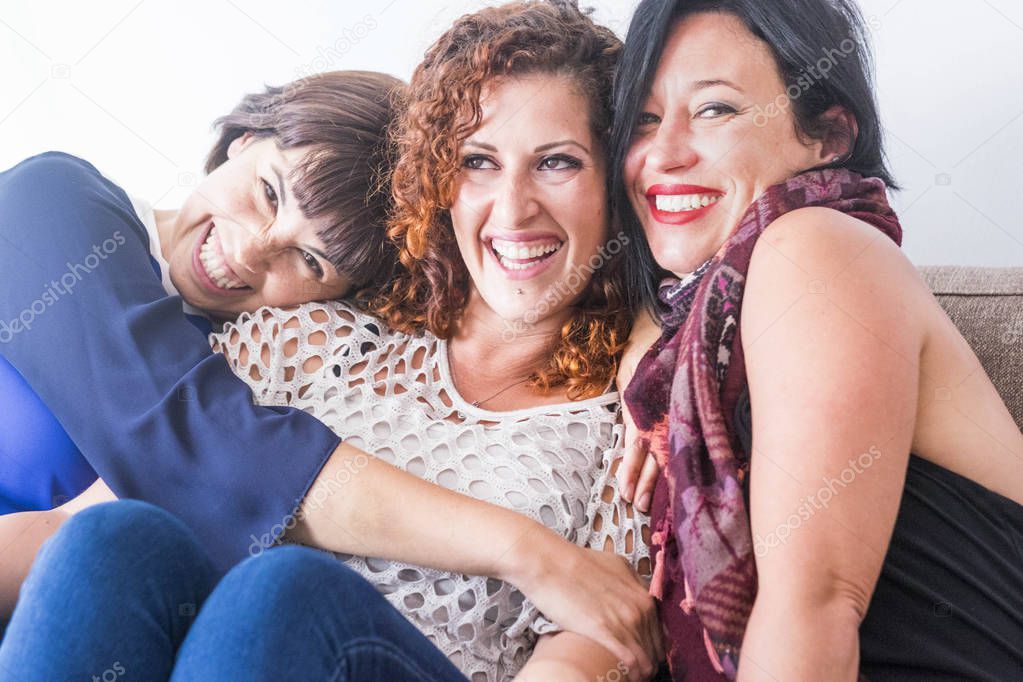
{"type": "Point", "coordinates": [536, 550]}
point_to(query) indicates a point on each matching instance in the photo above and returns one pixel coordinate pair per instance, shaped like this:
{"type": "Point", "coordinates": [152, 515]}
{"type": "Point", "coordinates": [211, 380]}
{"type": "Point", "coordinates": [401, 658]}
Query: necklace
{"type": "Point", "coordinates": [477, 403]}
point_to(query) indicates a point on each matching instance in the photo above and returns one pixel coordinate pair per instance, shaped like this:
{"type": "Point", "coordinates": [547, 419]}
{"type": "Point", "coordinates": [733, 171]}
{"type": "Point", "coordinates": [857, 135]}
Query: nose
{"type": "Point", "coordinates": [671, 148]}
{"type": "Point", "coordinates": [253, 247]}
{"type": "Point", "coordinates": [515, 201]}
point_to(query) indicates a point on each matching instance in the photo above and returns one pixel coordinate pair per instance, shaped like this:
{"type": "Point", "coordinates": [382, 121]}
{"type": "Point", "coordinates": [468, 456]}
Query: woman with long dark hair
{"type": "Point", "coordinates": [841, 490]}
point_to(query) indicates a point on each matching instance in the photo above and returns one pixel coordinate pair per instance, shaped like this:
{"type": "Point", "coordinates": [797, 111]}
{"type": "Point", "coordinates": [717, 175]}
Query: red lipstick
{"type": "Point", "coordinates": [679, 217]}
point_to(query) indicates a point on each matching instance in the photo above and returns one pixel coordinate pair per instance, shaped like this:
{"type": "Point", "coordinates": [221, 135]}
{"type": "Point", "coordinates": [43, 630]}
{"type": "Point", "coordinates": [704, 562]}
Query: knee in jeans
{"type": "Point", "coordinates": [122, 524]}
{"type": "Point", "coordinates": [292, 573]}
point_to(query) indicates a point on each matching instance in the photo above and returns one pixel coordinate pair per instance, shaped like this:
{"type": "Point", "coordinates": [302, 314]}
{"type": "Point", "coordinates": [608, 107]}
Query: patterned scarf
{"type": "Point", "coordinates": [684, 399]}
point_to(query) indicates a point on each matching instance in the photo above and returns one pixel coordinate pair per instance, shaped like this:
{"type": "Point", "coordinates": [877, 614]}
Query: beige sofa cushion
{"type": "Point", "coordinates": [986, 304]}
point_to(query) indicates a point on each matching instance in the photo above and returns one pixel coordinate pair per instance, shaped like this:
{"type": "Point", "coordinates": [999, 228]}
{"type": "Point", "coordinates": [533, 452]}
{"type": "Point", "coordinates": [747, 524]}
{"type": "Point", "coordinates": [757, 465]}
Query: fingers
{"type": "Point", "coordinates": [647, 481]}
{"type": "Point", "coordinates": [651, 633]}
{"type": "Point", "coordinates": [637, 659]}
{"type": "Point", "coordinates": [638, 616]}
{"type": "Point", "coordinates": [656, 635]}
{"type": "Point", "coordinates": [632, 465]}
{"type": "Point", "coordinates": [619, 648]}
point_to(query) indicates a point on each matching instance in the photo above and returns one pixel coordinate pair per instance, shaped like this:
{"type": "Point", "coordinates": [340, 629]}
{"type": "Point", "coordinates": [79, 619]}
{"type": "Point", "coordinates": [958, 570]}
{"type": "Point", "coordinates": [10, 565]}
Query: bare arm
{"type": "Point", "coordinates": [568, 657]}
{"type": "Point", "coordinates": [616, 528]}
{"type": "Point", "coordinates": [833, 375]}
{"type": "Point", "coordinates": [361, 505]}
{"type": "Point", "coordinates": [22, 534]}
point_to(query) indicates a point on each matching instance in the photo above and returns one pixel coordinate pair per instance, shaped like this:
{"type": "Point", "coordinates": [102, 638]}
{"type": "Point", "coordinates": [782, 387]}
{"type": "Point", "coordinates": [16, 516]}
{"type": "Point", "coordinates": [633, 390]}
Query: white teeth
{"type": "Point", "coordinates": [215, 266]}
{"type": "Point", "coordinates": [506, 249]}
{"type": "Point", "coordinates": [675, 203]}
{"type": "Point", "coordinates": [512, 265]}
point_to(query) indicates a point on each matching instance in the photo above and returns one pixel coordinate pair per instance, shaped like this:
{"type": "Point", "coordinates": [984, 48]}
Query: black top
{"type": "Point", "coordinates": [949, 601]}
{"type": "Point", "coordinates": [948, 604]}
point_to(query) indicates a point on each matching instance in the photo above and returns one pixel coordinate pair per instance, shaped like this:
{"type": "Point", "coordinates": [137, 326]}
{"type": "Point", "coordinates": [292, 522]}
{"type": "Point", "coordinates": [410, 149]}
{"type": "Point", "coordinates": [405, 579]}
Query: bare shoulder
{"type": "Point", "coordinates": [839, 261]}
{"type": "Point", "coordinates": [823, 241]}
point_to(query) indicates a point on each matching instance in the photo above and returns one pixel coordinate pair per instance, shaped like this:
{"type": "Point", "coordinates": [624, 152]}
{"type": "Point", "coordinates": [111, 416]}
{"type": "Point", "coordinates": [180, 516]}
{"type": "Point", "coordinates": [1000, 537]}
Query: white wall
{"type": "Point", "coordinates": [133, 86]}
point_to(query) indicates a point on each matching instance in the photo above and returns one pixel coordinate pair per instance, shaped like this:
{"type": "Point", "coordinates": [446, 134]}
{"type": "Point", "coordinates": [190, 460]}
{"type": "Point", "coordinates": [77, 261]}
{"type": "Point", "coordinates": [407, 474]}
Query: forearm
{"type": "Point", "coordinates": [21, 536]}
{"type": "Point", "coordinates": [812, 642]}
{"type": "Point", "coordinates": [362, 505]}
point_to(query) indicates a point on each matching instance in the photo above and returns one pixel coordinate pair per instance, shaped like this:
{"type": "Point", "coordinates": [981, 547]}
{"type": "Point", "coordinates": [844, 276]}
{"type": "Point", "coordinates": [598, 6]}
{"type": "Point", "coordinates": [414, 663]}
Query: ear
{"type": "Point", "coordinates": [840, 131]}
{"type": "Point", "coordinates": [239, 143]}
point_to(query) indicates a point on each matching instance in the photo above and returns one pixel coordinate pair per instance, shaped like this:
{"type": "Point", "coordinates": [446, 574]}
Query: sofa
{"type": "Point", "coordinates": [986, 304]}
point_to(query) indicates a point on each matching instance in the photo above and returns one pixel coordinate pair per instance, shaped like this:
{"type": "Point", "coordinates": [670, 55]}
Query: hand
{"type": "Point", "coordinates": [593, 593]}
{"type": "Point", "coordinates": [637, 463]}
{"type": "Point", "coordinates": [638, 471]}
{"type": "Point", "coordinates": [551, 670]}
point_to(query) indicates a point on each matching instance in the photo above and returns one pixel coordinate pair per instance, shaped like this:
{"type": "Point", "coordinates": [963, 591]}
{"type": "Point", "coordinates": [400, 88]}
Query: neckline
{"type": "Point", "coordinates": [147, 216]}
{"type": "Point", "coordinates": [460, 404]}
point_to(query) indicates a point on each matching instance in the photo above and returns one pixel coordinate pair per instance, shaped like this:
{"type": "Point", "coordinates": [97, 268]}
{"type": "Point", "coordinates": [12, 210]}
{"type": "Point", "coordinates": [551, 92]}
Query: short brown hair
{"type": "Point", "coordinates": [343, 118]}
{"type": "Point", "coordinates": [516, 39]}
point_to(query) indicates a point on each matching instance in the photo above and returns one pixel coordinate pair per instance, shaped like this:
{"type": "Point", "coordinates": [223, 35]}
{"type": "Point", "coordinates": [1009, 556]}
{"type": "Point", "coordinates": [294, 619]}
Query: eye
{"type": "Point", "coordinates": [270, 194]}
{"type": "Point", "coordinates": [715, 110]}
{"type": "Point", "coordinates": [646, 118]}
{"type": "Point", "coordinates": [478, 162]}
{"type": "Point", "coordinates": [560, 162]}
{"type": "Point", "coordinates": [313, 264]}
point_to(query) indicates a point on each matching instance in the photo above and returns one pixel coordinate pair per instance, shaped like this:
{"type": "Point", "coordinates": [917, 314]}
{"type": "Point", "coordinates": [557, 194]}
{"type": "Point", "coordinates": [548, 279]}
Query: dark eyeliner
{"type": "Point", "coordinates": [573, 163]}
{"type": "Point", "coordinates": [724, 108]}
{"type": "Point", "coordinates": [272, 201]}
{"type": "Point", "coordinates": [313, 264]}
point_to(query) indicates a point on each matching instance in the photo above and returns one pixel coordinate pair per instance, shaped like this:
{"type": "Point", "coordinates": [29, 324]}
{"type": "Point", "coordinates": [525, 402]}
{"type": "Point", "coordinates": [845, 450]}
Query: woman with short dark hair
{"type": "Point", "coordinates": [93, 343]}
{"type": "Point", "coordinates": [841, 490]}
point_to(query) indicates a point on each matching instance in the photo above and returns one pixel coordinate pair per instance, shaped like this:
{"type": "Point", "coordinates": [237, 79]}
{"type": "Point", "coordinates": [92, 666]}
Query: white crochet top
{"type": "Point", "coordinates": [391, 394]}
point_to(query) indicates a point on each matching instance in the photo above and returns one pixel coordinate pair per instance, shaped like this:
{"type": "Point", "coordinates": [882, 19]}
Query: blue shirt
{"type": "Point", "coordinates": [87, 324]}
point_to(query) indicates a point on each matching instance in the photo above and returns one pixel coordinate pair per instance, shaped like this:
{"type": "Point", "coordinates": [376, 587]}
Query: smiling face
{"type": "Point", "coordinates": [240, 241]}
{"type": "Point", "coordinates": [531, 202]}
{"type": "Point", "coordinates": [701, 154]}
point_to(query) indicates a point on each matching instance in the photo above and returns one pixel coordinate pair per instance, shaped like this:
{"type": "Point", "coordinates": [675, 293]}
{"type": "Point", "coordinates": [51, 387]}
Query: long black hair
{"type": "Point", "coordinates": [800, 34]}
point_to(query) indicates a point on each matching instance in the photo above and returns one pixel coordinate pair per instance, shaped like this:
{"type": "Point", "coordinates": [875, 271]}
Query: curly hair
{"type": "Point", "coordinates": [443, 109]}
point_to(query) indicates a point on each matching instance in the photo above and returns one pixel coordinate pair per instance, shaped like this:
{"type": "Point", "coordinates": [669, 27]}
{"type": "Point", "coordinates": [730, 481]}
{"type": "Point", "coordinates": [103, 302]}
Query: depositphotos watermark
{"type": "Point", "coordinates": [350, 37]}
{"type": "Point", "coordinates": [567, 287]}
{"type": "Point", "coordinates": [63, 287]}
{"type": "Point", "coordinates": [807, 79]}
{"type": "Point", "coordinates": [326, 57]}
{"type": "Point", "coordinates": [319, 494]}
{"type": "Point", "coordinates": [619, 673]}
{"type": "Point", "coordinates": [811, 504]}
{"type": "Point", "coordinates": [110, 674]}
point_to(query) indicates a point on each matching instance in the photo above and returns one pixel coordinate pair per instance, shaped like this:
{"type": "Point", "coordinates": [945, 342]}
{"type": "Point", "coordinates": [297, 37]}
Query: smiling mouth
{"type": "Point", "coordinates": [522, 256]}
{"type": "Point", "coordinates": [213, 268]}
{"type": "Point", "coordinates": [682, 203]}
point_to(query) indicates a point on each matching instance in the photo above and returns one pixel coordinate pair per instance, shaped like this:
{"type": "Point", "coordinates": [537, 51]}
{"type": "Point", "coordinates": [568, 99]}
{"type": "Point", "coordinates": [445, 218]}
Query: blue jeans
{"type": "Point", "coordinates": [124, 592]}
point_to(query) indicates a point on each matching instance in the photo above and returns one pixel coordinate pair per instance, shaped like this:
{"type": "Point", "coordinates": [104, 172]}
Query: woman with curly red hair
{"type": "Point", "coordinates": [482, 380]}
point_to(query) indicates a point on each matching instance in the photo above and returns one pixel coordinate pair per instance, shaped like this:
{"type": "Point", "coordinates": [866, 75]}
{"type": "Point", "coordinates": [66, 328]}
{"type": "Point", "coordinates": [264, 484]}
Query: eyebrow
{"type": "Point", "coordinates": [280, 185]}
{"type": "Point", "coordinates": [559, 143]}
{"type": "Point", "coordinates": [541, 148]}
{"type": "Point", "coordinates": [712, 82]}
